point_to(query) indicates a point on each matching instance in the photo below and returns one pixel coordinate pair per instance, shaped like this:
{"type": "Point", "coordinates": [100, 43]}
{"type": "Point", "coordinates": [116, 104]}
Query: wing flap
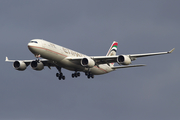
{"type": "Point", "coordinates": [127, 66]}
{"type": "Point", "coordinates": [105, 59]}
{"type": "Point", "coordinates": [97, 59]}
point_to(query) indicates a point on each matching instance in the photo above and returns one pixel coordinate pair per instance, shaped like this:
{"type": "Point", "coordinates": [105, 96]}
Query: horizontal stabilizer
{"type": "Point", "coordinates": [127, 66]}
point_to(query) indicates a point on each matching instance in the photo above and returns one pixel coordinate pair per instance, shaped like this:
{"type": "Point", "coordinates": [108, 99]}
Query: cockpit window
{"type": "Point", "coordinates": [33, 42]}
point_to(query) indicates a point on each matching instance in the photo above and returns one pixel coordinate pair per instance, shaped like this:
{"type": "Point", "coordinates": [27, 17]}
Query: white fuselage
{"type": "Point", "coordinates": [58, 54]}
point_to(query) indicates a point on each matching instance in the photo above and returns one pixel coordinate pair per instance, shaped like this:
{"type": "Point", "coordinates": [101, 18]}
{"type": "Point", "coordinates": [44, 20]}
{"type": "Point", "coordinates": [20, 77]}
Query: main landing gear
{"type": "Point", "coordinates": [60, 74]}
{"type": "Point", "coordinates": [89, 75]}
{"type": "Point", "coordinates": [76, 74]}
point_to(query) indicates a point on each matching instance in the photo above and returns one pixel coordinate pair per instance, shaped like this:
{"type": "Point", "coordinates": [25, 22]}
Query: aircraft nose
{"type": "Point", "coordinates": [29, 44]}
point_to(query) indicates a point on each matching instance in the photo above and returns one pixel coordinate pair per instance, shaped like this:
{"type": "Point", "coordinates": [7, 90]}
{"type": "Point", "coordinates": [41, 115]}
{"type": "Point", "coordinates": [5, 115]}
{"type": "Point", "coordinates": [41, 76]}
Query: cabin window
{"type": "Point", "coordinates": [33, 42]}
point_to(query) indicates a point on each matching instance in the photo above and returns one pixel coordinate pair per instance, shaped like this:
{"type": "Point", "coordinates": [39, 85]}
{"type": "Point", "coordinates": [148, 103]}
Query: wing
{"type": "Point", "coordinates": [112, 59]}
{"type": "Point", "coordinates": [27, 62]}
{"type": "Point", "coordinates": [132, 56]}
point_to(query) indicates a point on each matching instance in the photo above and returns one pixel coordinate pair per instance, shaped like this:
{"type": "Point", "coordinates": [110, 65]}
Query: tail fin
{"type": "Point", "coordinates": [112, 51]}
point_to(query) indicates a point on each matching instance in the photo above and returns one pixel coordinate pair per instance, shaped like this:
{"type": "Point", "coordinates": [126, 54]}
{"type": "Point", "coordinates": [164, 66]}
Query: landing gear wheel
{"type": "Point", "coordinates": [88, 76]}
{"type": "Point", "coordinates": [76, 74]}
{"type": "Point", "coordinates": [63, 77]}
{"type": "Point", "coordinates": [72, 75]}
{"type": "Point", "coordinates": [57, 74]}
{"type": "Point", "coordinates": [60, 74]}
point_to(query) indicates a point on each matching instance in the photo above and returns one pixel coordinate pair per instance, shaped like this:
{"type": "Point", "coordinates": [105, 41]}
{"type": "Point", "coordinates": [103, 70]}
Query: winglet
{"type": "Point", "coordinates": [7, 59]}
{"type": "Point", "coordinates": [171, 50]}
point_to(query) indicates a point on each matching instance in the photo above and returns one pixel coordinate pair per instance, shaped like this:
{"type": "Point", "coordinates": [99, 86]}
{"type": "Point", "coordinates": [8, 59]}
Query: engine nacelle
{"type": "Point", "coordinates": [19, 65]}
{"type": "Point", "coordinates": [123, 60]}
{"type": "Point", "coordinates": [87, 62]}
{"type": "Point", "coordinates": [37, 65]}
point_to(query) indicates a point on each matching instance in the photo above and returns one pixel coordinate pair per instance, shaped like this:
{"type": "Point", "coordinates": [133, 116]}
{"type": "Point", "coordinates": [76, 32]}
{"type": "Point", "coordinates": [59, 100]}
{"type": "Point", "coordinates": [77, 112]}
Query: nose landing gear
{"type": "Point", "coordinates": [37, 57]}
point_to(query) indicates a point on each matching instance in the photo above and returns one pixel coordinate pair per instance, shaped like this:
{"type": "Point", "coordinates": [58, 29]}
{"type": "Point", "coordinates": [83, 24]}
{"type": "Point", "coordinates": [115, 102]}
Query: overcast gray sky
{"type": "Point", "coordinates": [90, 27]}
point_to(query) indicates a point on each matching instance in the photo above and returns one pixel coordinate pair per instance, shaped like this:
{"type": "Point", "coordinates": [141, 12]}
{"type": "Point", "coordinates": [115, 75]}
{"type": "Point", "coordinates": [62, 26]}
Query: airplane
{"type": "Point", "coordinates": [53, 55]}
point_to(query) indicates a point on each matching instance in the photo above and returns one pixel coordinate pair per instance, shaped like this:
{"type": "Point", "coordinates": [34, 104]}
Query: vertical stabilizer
{"type": "Point", "coordinates": [112, 50]}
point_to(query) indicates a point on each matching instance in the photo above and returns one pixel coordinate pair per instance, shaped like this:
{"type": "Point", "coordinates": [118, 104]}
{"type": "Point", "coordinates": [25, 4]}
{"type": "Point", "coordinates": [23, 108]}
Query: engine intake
{"type": "Point", "coordinates": [123, 60]}
{"type": "Point", "coordinates": [37, 65]}
{"type": "Point", "coordinates": [87, 62]}
{"type": "Point", "coordinates": [19, 65]}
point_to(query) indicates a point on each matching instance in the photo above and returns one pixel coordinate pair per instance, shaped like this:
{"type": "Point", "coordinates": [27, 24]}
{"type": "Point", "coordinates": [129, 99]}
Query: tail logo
{"type": "Point", "coordinates": [114, 46]}
{"type": "Point", "coordinates": [112, 49]}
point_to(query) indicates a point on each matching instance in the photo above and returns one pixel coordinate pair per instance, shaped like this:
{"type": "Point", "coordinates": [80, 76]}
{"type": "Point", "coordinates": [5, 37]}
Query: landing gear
{"type": "Point", "coordinates": [76, 74]}
{"type": "Point", "coordinates": [60, 74]}
{"type": "Point", "coordinates": [37, 57]}
{"type": "Point", "coordinates": [89, 75]}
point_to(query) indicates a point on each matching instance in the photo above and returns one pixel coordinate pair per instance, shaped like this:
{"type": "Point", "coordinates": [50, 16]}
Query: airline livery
{"type": "Point", "coordinates": [61, 57]}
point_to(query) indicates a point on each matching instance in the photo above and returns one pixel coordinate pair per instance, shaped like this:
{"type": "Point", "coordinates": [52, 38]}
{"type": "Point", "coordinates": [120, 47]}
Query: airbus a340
{"type": "Point", "coordinates": [61, 57]}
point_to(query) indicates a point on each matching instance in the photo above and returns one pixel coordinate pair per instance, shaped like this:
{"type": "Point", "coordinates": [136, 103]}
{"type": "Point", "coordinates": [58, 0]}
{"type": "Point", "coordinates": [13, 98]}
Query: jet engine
{"type": "Point", "coordinates": [19, 65]}
{"type": "Point", "coordinates": [37, 65]}
{"type": "Point", "coordinates": [87, 62]}
{"type": "Point", "coordinates": [123, 60]}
